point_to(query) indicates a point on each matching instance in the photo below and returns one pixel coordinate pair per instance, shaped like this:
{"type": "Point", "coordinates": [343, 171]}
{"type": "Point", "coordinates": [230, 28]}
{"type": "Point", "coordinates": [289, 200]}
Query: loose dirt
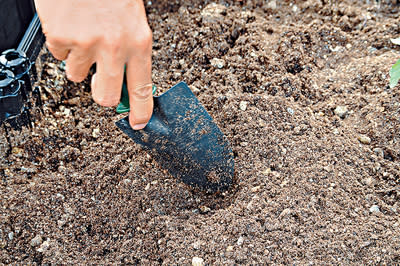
{"type": "Point", "coordinates": [300, 88]}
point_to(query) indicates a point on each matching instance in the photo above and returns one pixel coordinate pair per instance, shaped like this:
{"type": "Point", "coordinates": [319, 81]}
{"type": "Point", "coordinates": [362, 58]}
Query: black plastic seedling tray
{"type": "Point", "coordinates": [22, 43]}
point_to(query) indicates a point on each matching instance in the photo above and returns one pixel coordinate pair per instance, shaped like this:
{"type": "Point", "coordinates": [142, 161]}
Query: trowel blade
{"type": "Point", "coordinates": [183, 139]}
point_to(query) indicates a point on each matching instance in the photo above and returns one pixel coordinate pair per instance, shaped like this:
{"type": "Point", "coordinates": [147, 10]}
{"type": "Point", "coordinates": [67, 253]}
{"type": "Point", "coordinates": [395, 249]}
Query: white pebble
{"type": "Point", "coordinates": [212, 12]}
{"type": "Point", "coordinates": [335, 131]}
{"type": "Point", "coordinates": [67, 112]}
{"type": "Point", "coordinates": [341, 111]}
{"type": "Point", "coordinates": [218, 63]}
{"type": "Point", "coordinates": [364, 139]}
{"type": "Point", "coordinates": [96, 132]}
{"type": "Point", "coordinates": [240, 241]}
{"type": "Point", "coordinates": [127, 181]}
{"type": "Point", "coordinates": [44, 246]}
{"type": "Point", "coordinates": [243, 105]}
{"type": "Point", "coordinates": [271, 4]}
{"type": "Point", "coordinates": [196, 261]}
{"type": "Point", "coordinates": [196, 245]}
{"type": "Point", "coordinates": [195, 89]}
{"type": "Point", "coordinates": [36, 241]}
{"type": "Point", "coordinates": [374, 209]}
{"type": "Point", "coordinates": [369, 181]}
{"type": "Point", "coordinates": [61, 196]}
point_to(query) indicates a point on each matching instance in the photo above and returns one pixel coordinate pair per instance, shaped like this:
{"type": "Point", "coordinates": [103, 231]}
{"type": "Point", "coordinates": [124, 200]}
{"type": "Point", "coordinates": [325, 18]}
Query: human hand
{"type": "Point", "coordinates": [111, 34]}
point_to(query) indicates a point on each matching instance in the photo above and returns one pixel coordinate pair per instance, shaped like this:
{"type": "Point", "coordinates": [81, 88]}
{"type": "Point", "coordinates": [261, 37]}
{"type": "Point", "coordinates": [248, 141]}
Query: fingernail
{"type": "Point", "coordinates": [93, 83]}
{"type": "Point", "coordinates": [139, 126]}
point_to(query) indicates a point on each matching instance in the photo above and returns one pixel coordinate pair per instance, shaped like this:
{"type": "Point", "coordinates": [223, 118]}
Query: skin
{"type": "Point", "coordinates": [110, 33]}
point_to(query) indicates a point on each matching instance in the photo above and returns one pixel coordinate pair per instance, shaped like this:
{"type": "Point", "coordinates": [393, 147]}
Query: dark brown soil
{"type": "Point", "coordinates": [314, 185]}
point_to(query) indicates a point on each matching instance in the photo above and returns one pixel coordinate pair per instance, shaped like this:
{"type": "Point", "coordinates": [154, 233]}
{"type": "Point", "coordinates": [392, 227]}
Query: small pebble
{"type": "Point", "coordinates": [11, 236]}
{"type": "Point", "coordinates": [36, 241]}
{"type": "Point", "coordinates": [372, 50]}
{"type": "Point", "coordinates": [73, 101]}
{"type": "Point", "coordinates": [196, 245]}
{"type": "Point", "coordinates": [28, 170]}
{"type": "Point", "coordinates": [80, 125]}
{"type": "Point", "coordinates": [368, 181]}
{"type": "Point", "coordinates": [62, 65]}
{"type": "Point", "coordinates": [364, 139]}
{"type": "Point", "coordinates": [341, 111]}
{"type": "Point", "coordinates": [218, 63]}
{"type": "Point", "coordinates": [374, 209]}
{"type": "Point", "coordinates": [335, 131]}
{"type": "Point", "coordinates": [83, 142]}
{"type": "Point", "coordinates": [195, 89]}
{"type": "Point", "coordinates": [61, 196]}
{"type": "Point", "coordinates": [17, 151]}
{"type": "Point", "coordinates": [395, 41]}
{"type": "Point", "coordinates": [96, 133]}
{"type": "Point", "coordinates": [67, 112]}
{"type": "Point", "coordinates": [243, 105]}
{"type": "Point", "coordinates": [240, 241]}
{"type": "Point", "coordinates": [267, 171]}
{"type": "Point", "coordinates": [7, 172]}
{"type": "Point", "coordinates": [212, 12]}
{"type": "Point", "coordinates": [204, 209]}
{"type": "Point", "coordinates": [379, 152]}
{"type": "Point", "coordinates": [285, 212]}
{"type": "Point", "coordinates": [337, 48]}
{"type": "Point", "coordinates": [229, 248]}
{"type": "Point", "coordinates": [44, 246]}
{"type": "Point", "coordinates": [366, 244]}
{"type": "Point", "coordinates": [61, 223]}
{"type": "Point", "coordinates": [127, 181]}
{"type": "Point", "coordinates": [290, 110]}
{"type": "Point", "coordinates": [51, 72]}
{"type": "Point", "coordinates": [196, 261]}
{"type": "Point", "coordinates": [271, 4]}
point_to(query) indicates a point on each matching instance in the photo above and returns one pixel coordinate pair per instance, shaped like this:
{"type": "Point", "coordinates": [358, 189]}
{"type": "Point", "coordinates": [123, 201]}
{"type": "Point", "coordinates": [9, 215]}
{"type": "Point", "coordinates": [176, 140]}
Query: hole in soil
{"type": "Point", "coordinates": [12, 56]}
{"type": "Point", "coordinates": [270, 31]}
{"type": "Point", "coordinates": [3, 76]}
{"type": "Point", "coordinates": [389, 155]}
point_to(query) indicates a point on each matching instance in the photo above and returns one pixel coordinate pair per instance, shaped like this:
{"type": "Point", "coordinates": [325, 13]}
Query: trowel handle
{"type": "Point", "coordinates": [123, 106]}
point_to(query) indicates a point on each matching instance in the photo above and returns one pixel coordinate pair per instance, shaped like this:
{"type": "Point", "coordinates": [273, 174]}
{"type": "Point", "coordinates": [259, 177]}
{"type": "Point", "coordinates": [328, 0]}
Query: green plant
{"type": "Point", "coordinates": [395, 71]}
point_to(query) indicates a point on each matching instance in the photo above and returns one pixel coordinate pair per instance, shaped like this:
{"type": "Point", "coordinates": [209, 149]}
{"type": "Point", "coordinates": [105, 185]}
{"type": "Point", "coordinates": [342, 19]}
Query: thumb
{"type": "Point", "coordinates": [140, 93]}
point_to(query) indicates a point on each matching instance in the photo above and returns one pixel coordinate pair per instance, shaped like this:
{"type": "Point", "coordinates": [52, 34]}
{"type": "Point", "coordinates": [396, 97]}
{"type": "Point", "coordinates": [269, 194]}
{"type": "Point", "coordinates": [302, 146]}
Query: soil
{"type": "Point", "coordinates": [300, 88]}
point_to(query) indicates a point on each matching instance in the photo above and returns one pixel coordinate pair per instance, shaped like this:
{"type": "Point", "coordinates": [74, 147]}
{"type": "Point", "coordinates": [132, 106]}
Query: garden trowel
{"type": "Point", "coordinates": [183, 139]}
